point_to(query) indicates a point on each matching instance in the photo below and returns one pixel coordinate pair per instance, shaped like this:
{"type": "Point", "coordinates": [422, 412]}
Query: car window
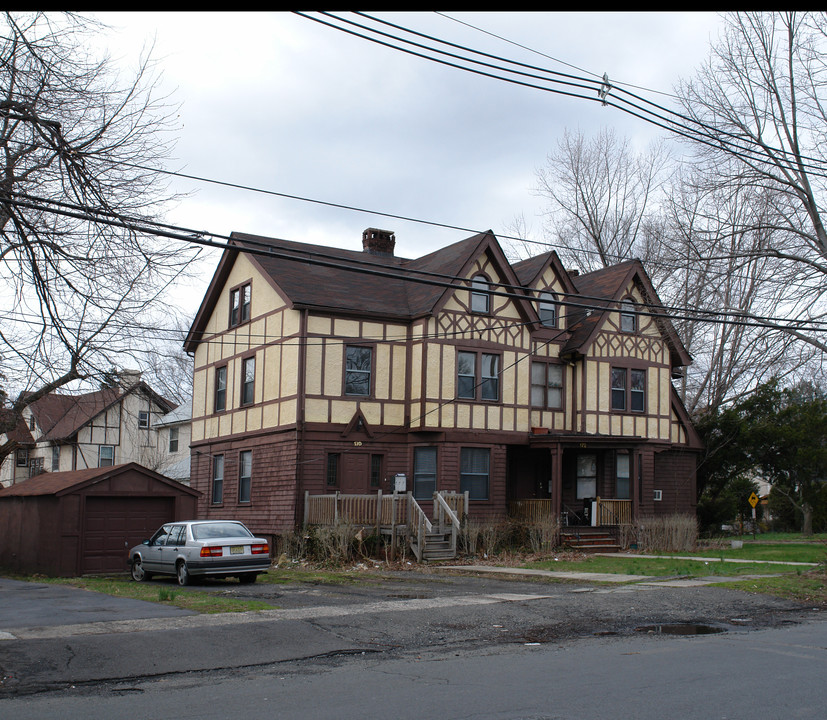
{"type": "Point", "coordinates": [160, 537]}
{"type": "Point", "coordinates": [208, 531]}
{"type": "Point", "coordinates": [176, 535]}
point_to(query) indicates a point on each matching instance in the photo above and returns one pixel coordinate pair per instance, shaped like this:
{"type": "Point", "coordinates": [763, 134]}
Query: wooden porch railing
{"type": "Point", "coordinates": [368, 510]}
{"type": "Point", "coordinates": [418, 521]}
{"type": "Point", "coordinates": [612, 512]}
{"type": "Point", "coordinates": [531, 510]}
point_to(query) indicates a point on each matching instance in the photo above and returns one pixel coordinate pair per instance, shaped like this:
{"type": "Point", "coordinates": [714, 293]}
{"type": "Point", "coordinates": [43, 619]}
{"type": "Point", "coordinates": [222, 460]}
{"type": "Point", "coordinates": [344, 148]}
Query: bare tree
{"type": "Point", "coordinates": [600, 195]}
{"type": "Point", "coordinates": [759, 108]}
{"type": "Point", "coordinates": [78, 280]}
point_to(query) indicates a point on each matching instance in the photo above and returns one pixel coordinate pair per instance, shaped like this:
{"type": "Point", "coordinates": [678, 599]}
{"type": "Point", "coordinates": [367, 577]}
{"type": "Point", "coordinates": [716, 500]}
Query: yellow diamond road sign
{"type": "Point", "coordinates": [753, 499]}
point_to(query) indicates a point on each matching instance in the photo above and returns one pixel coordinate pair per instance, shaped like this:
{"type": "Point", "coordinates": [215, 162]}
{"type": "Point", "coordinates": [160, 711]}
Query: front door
{"type": "Point", "coordinates": [355, 473]}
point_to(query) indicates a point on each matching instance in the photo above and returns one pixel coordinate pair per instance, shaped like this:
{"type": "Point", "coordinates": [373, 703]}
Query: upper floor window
{"type": "Point", "coordinates": [548, 310]}
{"type": "Point", "coordinates": [248, 380]}
{"type": "Point", "coordinates": [106, 455]}
{"type": "Point", "coordinates": [546, 385]}
{"type": "Point", "coordinates": [478, 376]}
{"type": "Point", "coordinates": [628, 389]}
{"type": "Point", "coordinates": [245, 475]}
{"type": "Point", "coordinates": [173, 439]}
{"type": "Point", "coordinates": [35, 466]}
{"type": "Point", "coordinates": [143, 419]}
{"type": "Point", "coordinates": [22, 457]}
{"type": "Point", "coordinates": [32, 423]}
{"type": "Point", "coordinates": [480, 295]}
{"type": "Point", "coordinates": [240, 305]}
{"type": "Point", "coordinates": [357, 370]}
{"type": "Point", "coordinates": [220, 401]}
{"type": "Point", "coordinates": [628, 316]}
{"type": "Point", "coordinates": [55, 458]}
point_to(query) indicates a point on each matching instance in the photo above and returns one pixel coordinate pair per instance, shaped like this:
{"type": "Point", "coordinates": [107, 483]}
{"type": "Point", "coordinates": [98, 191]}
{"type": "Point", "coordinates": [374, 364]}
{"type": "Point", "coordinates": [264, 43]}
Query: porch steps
{"type": "Point", "coordinates": [438, 547]}
{"type": "Point", "coordinates": [589, 539]}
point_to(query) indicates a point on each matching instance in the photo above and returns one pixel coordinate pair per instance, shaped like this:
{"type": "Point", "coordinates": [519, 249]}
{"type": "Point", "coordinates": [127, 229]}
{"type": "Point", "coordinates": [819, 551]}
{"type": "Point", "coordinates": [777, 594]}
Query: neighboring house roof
{"type": "Point", "coordinates": [59, 483]}
{"type": "Point", "coordinates": [61, 416]}
{"type": "Point", "coordinates": [181, 414]}
{"type": "Point", "coordinates": [20, 433]}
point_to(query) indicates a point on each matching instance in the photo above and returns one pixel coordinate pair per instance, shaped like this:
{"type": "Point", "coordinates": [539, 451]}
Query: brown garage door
{"type": "Point", "coordinates": [112, 525]}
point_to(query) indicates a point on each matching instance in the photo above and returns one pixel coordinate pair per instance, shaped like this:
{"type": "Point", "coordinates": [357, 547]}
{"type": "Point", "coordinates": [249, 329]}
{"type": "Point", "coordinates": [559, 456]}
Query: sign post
{"type": "Point", "coordinates": [753, 500]}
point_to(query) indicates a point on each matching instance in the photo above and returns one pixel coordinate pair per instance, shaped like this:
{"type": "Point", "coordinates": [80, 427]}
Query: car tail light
{"type": "Point", "coordinates": [212, 551]}
{"type": "Point", "coordinates": [260, 549]}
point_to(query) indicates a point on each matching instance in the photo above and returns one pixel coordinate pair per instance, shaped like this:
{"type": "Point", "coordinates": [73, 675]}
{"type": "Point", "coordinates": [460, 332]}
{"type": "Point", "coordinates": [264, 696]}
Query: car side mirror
{"type": "Point", "coordinates": [145, 542]}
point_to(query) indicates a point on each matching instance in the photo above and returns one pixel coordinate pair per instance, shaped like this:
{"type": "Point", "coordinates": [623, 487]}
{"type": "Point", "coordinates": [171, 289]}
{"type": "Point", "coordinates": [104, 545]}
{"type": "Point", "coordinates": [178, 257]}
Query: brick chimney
{"type": "Point", "coordinates": [378, 242]}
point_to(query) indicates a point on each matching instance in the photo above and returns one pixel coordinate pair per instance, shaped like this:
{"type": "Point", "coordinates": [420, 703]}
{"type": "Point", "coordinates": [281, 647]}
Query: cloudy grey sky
{"type": "Point", "coordinates": [278, 102]}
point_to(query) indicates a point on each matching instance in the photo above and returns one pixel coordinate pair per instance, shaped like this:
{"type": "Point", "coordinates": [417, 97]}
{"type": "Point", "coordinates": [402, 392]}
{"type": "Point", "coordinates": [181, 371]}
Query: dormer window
{"type": "Point", "coordinates": [240, 305]}
{"type": "Point", "coordinates": [628, 316]}
{"type": "Point", "coordinates": [548, 310]}
{"type": "Point", "coordinates": [480, 295]}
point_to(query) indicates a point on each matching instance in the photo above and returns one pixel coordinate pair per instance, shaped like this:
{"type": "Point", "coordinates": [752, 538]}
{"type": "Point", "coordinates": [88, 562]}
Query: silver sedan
{"type": "Point", "coordinates": [199, 548]}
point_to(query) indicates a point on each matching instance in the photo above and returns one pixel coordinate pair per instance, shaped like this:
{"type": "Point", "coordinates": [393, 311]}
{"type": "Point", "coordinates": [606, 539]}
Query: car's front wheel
{"type": "Point", "coordinates": [138, 572]}
{"type": "Point", "coordinates": [247, 578]}
{"type": "Point", "coordinates": [183, 574]}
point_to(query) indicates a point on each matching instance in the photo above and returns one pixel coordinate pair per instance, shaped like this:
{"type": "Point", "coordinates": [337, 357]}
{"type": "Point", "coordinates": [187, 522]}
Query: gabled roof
{"type": "Point", "coordinates": [59, 416]}
{"type": "Point", "coordinates": [349, 281]}
{"type": "Point", "coordinates": [59, 483]}
{"type": "Point", "coordinates": [599, 293]}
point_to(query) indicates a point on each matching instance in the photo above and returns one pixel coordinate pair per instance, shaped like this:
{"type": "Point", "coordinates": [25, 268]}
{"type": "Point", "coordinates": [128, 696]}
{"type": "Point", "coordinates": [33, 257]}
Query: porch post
{"type": "Point", "coordinates": [557, 481]}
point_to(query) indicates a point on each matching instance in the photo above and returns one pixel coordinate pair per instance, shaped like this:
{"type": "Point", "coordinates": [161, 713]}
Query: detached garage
{"type": "Point", "coordinates": [84, 521]}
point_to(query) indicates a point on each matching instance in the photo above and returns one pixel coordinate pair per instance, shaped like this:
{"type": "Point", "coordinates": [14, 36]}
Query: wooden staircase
{"type": "Point", "coordinates": [438, 546]}
{"type": "Point", "coordinates": [588, 539]}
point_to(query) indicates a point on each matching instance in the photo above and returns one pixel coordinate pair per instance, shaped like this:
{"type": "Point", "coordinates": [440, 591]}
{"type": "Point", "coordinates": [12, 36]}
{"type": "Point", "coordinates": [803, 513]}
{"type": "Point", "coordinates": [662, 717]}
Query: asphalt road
{"type": "Point", "coordinates": [60, 643]}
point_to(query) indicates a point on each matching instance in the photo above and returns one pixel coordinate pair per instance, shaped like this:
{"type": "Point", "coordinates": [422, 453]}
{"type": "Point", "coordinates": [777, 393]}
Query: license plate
{"type": "Point", "coordinates": [236, 549]}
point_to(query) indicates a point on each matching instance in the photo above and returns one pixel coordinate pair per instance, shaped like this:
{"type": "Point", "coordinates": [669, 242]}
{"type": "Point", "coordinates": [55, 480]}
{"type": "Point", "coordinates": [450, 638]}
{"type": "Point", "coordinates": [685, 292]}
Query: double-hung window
{"type": "Point", "coordinates": [548, 310]}
{"type": "Point", "coordinates": [546, 385]}
{"type": "Point", "coordinates": [173, 439]}
{"type": "Point", "coordinates": [220, 401]}
{"type": "Point", "coordinates": [623, 475]}
{"type": "Point", "coordinates": [358, 362]}
{"type": "Point", "coordinates": [480, 295]}
{"type": "Point", "coordinates": [248, 380]}
{"type": "Point", "coordinates": [106, 456]}
{"type": "Point", "coordinates": [55, 458]}
{"type": "Point", "coordinates": [478, 376]}
{"type": "Point", "coordinates": [218, 480]}
{"type": "Point", "coordinates": [474, 465]}
{"type": "Point", "coordinates": [245, 475]}
{"type": "Point", "coordinates": [143, 419]}
{"type": "Point", "coordinates": [240, 305]}
{"type": "Point", "coordinates": [628, 316]}
{"type": "Point", "coordinates": [628, 389]}
{"type": "Point", "coordinates": [424, 475]}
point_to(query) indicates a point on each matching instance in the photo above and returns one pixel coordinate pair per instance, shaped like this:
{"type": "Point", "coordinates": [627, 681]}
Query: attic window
{"type": "Point", "coordinates": [628, 316]}
{"type": "Point", "coordinates": [240, 305]}
{"type": "Point", "coordinates": [143, 419]}
{"type": "Point", "coordinates": [480, 296]}
{"type": "Point", "coordinates": [548, 310]}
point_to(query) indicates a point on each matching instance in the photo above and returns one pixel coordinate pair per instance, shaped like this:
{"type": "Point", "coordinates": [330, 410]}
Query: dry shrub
{"type": "Point", "coordinates": [671, 533]}
{"type": "Point", "coordinates": [543, 535]}
{"type": "Point", "coordinates": [331, 543]}
{"type": "Point", "coordinates": [469, 537]}
{"type": "Point", "coordinates": [493, 536]}
{"type": "Point", "coordinates": [293, 544]}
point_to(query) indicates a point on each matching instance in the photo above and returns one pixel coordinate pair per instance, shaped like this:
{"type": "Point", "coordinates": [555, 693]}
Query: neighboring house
{"type": "Point", "coordinates": [173, 437]}
{"type": "Point", "coordinates": [111, 426]}
{"type": "Point", "coordinates": [321, 370]}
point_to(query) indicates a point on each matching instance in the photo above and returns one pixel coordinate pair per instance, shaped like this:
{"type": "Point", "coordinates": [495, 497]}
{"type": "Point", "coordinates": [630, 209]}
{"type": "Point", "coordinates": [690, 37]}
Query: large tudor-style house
{"type": "Point", "coordinates": [319, 370]}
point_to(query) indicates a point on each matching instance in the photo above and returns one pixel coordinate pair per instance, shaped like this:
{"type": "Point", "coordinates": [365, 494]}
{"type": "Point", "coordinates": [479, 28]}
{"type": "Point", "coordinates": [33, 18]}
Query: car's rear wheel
{"type": "Point", "coordinates": [247, 578]}
{"type": "Point", "coordinates": [183, 574]}
{"type": "Point", "coordinates": [138, 572]}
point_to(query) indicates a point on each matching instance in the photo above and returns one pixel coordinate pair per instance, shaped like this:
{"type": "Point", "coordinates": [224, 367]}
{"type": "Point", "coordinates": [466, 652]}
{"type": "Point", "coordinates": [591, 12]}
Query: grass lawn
{"type": "Point", "coordinates": [783, 551]}
{"type": "Point", "coordinates": [658, 567]}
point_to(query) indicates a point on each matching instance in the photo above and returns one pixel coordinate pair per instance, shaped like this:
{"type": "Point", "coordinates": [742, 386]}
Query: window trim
{"type": "Point", "coordinates": [480, 292]}
{"type": "Point", "coordinates": [546, 364]}
{"type": "Point", "coordinates": [479, 380]}
{"type": "Point", "coordinates": [463, 474]}
{"type": "Point", "coordinates": [21, 457]}
{"type": "Point", "coordinates": [245, 482]}
{"type": "Point", "coordinates": [368, 372]}
{"type": "Point", "coordinates": [173, 439]}
{"type": "Point", "coordinates": [333, 470]}
{"type": "Point", "coordinates": [628, 393]}
{"type": "Point", "coordinates": [220, 392]}
{"type": "Point", "coordinates": [217, 480]}
{"type": "Point", "coordinates": [627, 478]}
{"type": "Point", "coordinates": [377, 465]}
{"type": "Point", "coordinates": [240, 304]}
{"type": "Point", "coordinates": [143, 419]}
{"type": "Point", "coordinates": [100, 456]}
{"type": "Point", "coordinates": [55, 458]}
{"type": "Point", "coordinates": [247, 384]}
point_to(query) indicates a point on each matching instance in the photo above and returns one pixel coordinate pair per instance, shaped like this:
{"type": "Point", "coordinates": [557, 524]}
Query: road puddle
{"type": "Point", "coordinates": [680, 629]}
